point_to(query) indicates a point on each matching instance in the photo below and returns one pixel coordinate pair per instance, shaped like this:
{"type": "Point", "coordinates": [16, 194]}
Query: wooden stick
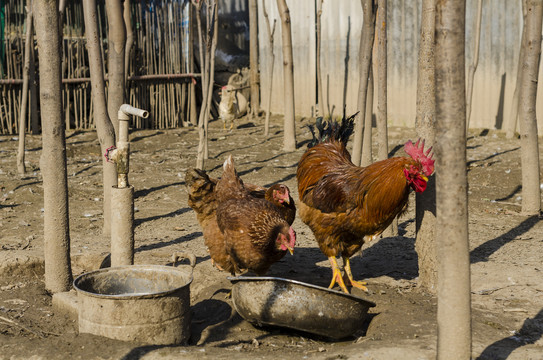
{"type": "Point", "coordinates": [11, 322]}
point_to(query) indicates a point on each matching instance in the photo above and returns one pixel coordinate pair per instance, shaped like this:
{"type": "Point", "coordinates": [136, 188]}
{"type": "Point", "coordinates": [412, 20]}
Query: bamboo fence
{"type": "Point", "coordinates": [160, 69]}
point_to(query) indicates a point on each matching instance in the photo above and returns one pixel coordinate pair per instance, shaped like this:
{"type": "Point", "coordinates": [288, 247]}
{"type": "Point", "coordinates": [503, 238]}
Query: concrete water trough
{"type": "Point", "coordinates": [148, 304]}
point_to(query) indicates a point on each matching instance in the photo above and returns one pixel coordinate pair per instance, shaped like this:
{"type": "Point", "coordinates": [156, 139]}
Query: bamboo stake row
{"type": "Point", "coordinates": [159, 70]}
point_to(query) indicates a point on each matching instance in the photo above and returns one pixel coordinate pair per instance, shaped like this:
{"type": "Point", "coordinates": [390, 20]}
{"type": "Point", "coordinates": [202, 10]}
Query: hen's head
{"type": "Point", "coordinates": [286, 239]}
{"type": "Point", "coordinates": [417, 175]}
{"type": "Point", "coordinates": [280, 194]}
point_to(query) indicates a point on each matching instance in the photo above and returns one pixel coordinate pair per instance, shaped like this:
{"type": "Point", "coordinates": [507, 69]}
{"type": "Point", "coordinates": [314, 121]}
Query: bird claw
{"type": "Point", "coordinates": [213, 263]}
{"type": "Point", "coordinates": [336, 277]}
{"type": "Point", "coordinates": [359, 285]}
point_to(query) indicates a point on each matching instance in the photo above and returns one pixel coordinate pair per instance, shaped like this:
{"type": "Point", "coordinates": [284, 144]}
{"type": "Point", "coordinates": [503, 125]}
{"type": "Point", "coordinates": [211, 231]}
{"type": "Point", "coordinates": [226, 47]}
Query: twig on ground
{"type": "Point", "coordinates": [11, 322]}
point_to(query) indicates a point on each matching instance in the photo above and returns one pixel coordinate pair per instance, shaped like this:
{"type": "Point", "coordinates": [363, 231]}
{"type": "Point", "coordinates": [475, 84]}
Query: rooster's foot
{"type": "Point", "coordinates": [359, 284]}
{"type": "Point", "coordinates": [354, 283]}
{"type": "Point", "coordinates": [336, 276]}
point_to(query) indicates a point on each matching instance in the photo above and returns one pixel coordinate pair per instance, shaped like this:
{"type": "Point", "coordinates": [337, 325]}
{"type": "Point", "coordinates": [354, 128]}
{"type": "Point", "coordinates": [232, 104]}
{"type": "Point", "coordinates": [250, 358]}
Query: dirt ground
{"type": "Point", "coordinates": [506, 254]}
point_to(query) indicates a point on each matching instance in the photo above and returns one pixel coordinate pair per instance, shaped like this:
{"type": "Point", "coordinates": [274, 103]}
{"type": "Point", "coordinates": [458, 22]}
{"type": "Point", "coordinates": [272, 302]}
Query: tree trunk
{"type": "Point", "coordinates": [207, 62]}
{"type": "Point", "coordinates": [115, 60]}
{"type": "Point", "coordinates": [104, 127]}
{"type": "Point", "coordinates": [367, 157]}
{"type": "Point", "coordinates": [320, 88]}
{"type": "Point", "coordinates": [513, 115]}
{"type": "Point", "coordinates": [271, 33]}
{"type": "Point", "coordinates": [204, 79]}
{"type": "Point", "coordinates": [381, 116]}
{"type": "Point", "coordinates": [425, 125]}
{"type": "Point", "coordinates": [253, 38]}
{"type": "Point", "coordinates": [58, 272]}
{"type": "Point", "coordinates": [531, 196]}
{"type": "Point", "coordinates": [289, 142]}
{"type": "Point", "coordinates": [454, 296]}
{"type": "Point", "coordinates": [33, 95]}
{"type": "Point", "coordinates": [475, 62]}
{"type": "Point", "coordinates": [192, 85]}
{"type": "Point", "coordinates": [214, 20]}
{"type": "Point", "coordinates": [127, 16]}
{"type": "Point", "coordinates": [24, 101]}
{"type": "Point", "coordinates": [64, 64]}
{"type": "Point", "coordinates": [364, 63]}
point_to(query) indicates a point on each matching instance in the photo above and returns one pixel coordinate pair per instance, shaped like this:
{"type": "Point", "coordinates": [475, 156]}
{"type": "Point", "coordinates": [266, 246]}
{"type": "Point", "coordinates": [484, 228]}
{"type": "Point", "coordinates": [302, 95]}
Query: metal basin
{"type": "Point", "coordinates": [297, 305]}
{"type": "Point", "coordinates": [148, 304]}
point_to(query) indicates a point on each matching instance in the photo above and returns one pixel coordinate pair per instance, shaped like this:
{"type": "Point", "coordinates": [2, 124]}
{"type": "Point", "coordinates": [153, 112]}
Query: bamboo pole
{"type": "Point", "coordinates": [172, 96]}
{"type": "Point", "coordinates": [22, 114]}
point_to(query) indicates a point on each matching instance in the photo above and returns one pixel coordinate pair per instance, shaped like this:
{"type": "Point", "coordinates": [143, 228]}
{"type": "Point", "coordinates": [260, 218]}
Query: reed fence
{"type": "Point", "coordinates": [160, 71]}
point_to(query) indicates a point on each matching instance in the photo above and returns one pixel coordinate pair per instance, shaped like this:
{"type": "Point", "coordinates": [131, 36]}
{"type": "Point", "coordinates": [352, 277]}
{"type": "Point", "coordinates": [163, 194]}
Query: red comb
{"type": "Point", "coordinates": [418, 154]}
{"type": "Point", "coordinates": [292, 237]}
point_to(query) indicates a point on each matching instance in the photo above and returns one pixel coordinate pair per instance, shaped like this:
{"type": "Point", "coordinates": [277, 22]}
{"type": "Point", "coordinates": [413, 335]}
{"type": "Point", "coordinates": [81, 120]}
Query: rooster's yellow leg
{"type": "Point", "coordinates": [356, 284]}
{"type": "Point", "coordinates": [336, 275]}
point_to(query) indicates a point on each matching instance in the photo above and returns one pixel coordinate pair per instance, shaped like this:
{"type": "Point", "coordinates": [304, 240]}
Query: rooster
{"type": "Point", "coordinates": [203, 200]}
{"type": "Point", "coordinates": [343, 203]}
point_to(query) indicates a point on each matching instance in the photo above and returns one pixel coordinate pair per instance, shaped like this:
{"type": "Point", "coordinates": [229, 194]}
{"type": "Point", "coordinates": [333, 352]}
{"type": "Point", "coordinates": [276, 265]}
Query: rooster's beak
{"type": "Point", "coordinates": [425, 178]}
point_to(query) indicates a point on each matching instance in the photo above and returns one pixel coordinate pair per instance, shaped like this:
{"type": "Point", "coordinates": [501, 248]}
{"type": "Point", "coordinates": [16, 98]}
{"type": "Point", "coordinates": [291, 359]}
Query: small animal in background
{"type": "Point", "coordinates": [203, 199]}
{"type": "Point", "coordinates": [343, 203]}
{"type": "Point", "coordinates": [232, 106]}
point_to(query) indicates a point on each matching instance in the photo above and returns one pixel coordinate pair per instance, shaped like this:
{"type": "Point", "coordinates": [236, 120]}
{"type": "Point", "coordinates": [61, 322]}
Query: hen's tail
{"type": "Point", "coordinates": [230, 184]}
{"type": "Point", "coordinates": [200, 188]}
{"type": "Point", "coordinates": [328, 130]}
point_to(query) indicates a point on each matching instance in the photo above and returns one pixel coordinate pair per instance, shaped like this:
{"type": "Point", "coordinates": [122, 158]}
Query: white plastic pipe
{"type": "Point", "coordinates": [122, 195]}
{"type": "Point", "coordinates": [130, 110]}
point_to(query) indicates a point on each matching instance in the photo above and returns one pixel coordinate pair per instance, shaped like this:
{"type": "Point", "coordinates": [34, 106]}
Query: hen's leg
{"type": "Point", "coordinates": [356, 284]}
{"type": "Point", "coordinates": [336, 275]}
{"type": "Point", "coordinates": [213, 263]}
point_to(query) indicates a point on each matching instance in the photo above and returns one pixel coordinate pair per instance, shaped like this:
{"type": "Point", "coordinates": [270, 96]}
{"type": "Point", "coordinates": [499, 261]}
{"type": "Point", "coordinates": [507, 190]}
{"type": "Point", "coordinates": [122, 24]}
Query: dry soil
{"type": "Point", "coordinates": [506, 253]}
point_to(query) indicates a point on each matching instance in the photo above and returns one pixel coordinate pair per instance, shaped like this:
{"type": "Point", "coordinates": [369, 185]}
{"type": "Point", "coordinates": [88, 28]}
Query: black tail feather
{"type": "Point", "coordinates": [328, 130]}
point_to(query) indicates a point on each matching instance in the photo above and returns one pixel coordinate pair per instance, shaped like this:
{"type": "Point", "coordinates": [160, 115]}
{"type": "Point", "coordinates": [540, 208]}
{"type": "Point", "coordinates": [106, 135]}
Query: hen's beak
{"type": "Point", "coordinates": [287, 200]}
{"type": "Point", "coordinates": [290, 249]}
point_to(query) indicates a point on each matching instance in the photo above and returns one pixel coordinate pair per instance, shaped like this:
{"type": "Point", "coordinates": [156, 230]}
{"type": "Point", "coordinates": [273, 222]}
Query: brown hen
{"type": "Point", "coordinates": [203, 200]}
{"type": "Point", "coordinates": [256, 233]}
{"type": "Point", "coordinates": [343, 203]}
